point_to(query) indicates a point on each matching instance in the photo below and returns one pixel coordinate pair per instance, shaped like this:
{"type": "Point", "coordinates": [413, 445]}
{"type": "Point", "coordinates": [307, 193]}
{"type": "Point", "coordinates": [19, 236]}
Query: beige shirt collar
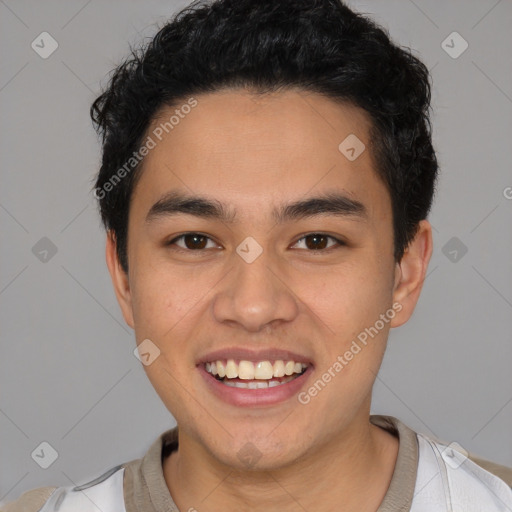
{"type": "Point", "coordinates": [145, 489]}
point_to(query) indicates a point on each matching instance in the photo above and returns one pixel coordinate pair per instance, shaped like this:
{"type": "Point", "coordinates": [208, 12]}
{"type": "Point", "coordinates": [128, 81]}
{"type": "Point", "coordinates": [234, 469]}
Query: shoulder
{"type": "Point", "coordinates": [445, 476]}
{"type": "Point", "coordinates": [30, 501]}
{"type": "Point", "coordinates": [503, 472]}
{"type": "Point", "coordinates": [448, 473]}
{"type": "Point", "coordinates": [106, 491]}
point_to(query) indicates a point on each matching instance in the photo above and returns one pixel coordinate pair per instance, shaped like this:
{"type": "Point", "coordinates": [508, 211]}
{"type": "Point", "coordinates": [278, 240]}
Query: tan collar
{"type": "Point", "coordinates": [145, 489]}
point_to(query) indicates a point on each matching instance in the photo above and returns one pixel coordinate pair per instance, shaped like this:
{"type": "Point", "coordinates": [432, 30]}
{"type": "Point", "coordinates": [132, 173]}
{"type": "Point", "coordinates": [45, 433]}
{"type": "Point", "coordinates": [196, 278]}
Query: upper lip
{"type": "Point", "coordinates": [243, 353]}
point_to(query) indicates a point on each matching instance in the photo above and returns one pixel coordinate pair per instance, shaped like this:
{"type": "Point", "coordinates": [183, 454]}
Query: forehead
{"type": "Point", "coordinates": [248, 149]}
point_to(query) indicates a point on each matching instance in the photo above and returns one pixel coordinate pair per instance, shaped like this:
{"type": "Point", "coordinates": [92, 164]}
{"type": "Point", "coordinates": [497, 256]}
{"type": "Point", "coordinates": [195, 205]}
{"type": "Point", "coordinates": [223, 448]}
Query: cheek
{"type": "Point", "coordinates": [351, 296]}
{"type": "Point", "coordinates": [350, 302]}
{"type": "Point", "coordinates": [169, 306]}
{"type": "Point", "coordinates": [158, 300]}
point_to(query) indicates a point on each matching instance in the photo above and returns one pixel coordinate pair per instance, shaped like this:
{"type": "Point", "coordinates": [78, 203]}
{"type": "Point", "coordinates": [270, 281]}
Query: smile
{"type": "Point", "coordinates": [255, 375]}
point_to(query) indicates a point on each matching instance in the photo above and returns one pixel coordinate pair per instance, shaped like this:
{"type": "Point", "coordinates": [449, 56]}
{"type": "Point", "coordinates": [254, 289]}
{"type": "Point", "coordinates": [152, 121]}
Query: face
{"type": "Point", "coordinates": [259, 252]}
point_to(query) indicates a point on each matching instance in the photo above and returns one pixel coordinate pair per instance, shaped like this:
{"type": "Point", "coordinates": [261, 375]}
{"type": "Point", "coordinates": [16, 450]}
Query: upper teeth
{"type": "Point", "coordinates": [247, 370]}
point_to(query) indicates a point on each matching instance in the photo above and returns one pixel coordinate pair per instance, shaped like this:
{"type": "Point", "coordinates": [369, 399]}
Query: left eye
{"type": "Point", "coordinates": [318, 241]}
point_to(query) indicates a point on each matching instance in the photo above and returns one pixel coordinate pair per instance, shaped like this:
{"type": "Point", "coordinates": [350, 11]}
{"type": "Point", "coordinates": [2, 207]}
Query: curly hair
{"type": "Point", "coordinates": [319, 46]}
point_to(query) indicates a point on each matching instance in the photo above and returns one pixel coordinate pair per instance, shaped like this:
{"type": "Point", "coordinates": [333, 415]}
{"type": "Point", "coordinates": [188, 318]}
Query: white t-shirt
{"type": "Point", "coordinates": [429, 476]}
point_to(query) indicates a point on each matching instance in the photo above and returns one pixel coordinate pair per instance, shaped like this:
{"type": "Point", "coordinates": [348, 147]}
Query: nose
{"type": "Point", "coordinates": [255, 296]}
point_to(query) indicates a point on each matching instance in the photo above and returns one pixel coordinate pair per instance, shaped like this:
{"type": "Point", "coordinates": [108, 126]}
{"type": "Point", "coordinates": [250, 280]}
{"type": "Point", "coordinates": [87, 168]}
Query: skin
{"type": "Point", "coordinates": [254, 153]}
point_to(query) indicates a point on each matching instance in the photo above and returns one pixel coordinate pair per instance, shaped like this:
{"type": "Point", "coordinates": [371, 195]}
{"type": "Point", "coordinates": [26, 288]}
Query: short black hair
{"type": "Point", "coordinates": [318, 46]}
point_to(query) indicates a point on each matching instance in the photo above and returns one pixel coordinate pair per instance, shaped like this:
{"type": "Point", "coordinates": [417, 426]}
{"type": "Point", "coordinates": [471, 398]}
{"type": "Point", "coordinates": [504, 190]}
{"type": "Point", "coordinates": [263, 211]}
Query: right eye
{"type": "Point", "coordinates": [192, 242]}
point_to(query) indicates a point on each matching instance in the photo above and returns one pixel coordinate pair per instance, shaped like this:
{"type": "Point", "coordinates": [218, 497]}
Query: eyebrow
{"type": "Point", "coordinates": [336, 204]}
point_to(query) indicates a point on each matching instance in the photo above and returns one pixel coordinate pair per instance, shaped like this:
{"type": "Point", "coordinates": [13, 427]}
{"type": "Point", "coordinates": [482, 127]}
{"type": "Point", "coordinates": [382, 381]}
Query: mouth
{"type": "Point", "coordinates": [246, 374]}
{"type": "Point", "coordinates": [245, 379]}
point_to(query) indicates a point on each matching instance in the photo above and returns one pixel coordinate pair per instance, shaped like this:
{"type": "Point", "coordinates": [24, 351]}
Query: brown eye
{"type": "Point", "coordinates": [191, 241]}
{"type": "Point", "coordinates": [316, 242]}
{"type": "Point", "coordinates": [319, 241]}
{"type": "Point", "coordinates": [194, 241]}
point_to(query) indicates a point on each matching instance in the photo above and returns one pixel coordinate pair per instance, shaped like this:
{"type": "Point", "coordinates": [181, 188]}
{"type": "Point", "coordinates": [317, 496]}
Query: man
{"type": "Point", "coordinates": [266, 178]}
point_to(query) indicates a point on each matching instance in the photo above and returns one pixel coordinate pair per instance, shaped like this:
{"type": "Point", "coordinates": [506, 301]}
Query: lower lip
{"type": "Point", "coordinates": [254, 397]}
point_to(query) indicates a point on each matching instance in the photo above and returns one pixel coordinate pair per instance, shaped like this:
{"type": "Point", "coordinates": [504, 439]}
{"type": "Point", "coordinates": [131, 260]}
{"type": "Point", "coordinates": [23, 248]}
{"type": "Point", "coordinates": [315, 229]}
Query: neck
{"type": "Point", "coordinates": [349, 473]}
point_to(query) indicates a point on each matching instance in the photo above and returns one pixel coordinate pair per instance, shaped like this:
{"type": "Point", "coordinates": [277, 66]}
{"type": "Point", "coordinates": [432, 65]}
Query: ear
{"type": "Point", "coordinates": [410, 273]}
{"type": "Point", "coordinates": [119, 279]}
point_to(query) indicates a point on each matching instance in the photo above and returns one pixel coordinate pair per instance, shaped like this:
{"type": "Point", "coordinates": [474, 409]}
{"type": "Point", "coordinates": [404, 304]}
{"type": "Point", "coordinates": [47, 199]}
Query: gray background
{"type": "Point", "coordinates": [68, 375]}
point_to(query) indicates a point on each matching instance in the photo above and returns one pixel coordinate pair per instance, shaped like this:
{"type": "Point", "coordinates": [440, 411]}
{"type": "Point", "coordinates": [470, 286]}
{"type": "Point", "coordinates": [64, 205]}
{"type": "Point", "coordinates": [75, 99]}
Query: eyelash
{"type": "Point", "coordinates": [338, 243]}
